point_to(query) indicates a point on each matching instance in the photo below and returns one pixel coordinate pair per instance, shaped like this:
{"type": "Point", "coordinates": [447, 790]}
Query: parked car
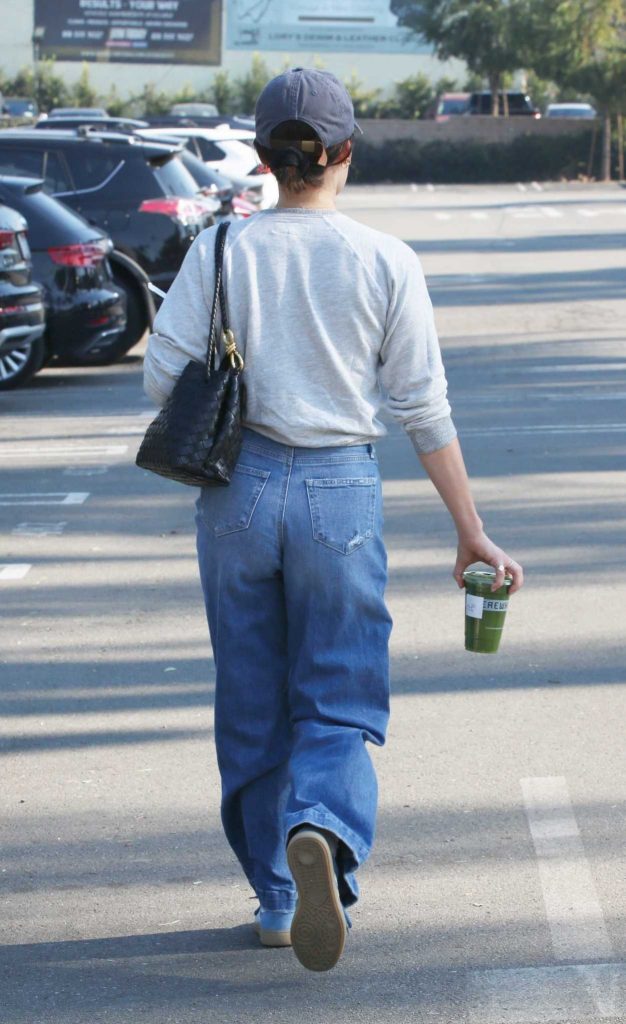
{"type": "Point", "coordinates": [518, 103]}
{"type": "Point", "coordinates": [137, 192]}
{"type": "Point", "coordinates": [210, 182]}
{"type": "Point", "coordinates": [21, 305]}
{"type": "Point", "coordinates": [229, 152]}
{"type": "Point", "coordinates": [235, 121]}
{"type": "Point", "coordinates": [115, 124]}
{"type": "Point", "coordinates": [577, 110]}
{"type": "Point", "coordinates": [85, 310]}
{"type": "Point", "coordinates": [78, 112]}
{"type": "Point", "coordinates": [20, 106]}
{"type": "Point", "coordinates": [194, 110]}
{"type": "Point", "coordinates": [447, 105]}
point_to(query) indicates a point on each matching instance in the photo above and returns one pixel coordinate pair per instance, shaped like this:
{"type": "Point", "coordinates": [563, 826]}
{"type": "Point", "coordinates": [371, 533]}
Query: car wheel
{"type": "Point", "coordinates": [21, 363]}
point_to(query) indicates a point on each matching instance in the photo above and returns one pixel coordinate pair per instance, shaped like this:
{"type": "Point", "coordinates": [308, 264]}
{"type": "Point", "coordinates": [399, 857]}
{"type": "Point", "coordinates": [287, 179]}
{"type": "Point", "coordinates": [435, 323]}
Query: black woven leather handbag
{"type": "Point", "coordinates": [196, 437]}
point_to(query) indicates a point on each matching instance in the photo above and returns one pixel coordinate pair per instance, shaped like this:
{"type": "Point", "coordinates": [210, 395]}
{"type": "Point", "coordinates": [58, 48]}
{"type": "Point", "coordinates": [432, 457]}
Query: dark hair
{"type": "Point", "coordinates": [296, 166]}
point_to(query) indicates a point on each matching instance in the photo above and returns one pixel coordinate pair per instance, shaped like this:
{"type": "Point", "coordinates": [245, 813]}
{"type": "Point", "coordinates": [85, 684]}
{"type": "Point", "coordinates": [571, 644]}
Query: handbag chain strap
{"type": "Point", "coordinates": [219, 296]}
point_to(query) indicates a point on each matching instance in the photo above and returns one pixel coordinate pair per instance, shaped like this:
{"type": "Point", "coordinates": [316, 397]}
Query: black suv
{"type": "Point", "coordinates": [21, 306]}
{"type": "Point", "coordinates": [85, 311]}
{"type": "Point", "coordinates": [138, 192]}
{"type": "Point", "coordinates": [517, 103]}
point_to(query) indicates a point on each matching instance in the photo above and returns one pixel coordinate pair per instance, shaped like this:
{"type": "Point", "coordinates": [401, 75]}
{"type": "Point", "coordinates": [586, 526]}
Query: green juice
{"type": "Point", "coordinates": [485, 611]}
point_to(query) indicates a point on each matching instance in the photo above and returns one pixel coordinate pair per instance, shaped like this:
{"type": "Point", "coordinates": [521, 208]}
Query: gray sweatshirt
{"type": "Point", "coordinates": [333, 320]}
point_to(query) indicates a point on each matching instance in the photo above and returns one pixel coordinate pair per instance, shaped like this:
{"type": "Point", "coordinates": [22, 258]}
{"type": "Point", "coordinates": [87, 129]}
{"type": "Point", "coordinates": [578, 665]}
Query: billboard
{"type": "Point", "coordinates": [130, 31]}
{"type": "Point", "coordinates": [344, 26]}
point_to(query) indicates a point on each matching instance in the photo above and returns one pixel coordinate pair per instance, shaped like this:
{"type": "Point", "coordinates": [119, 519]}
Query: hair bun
{"type": "Point", "coordinates": [292, 157]}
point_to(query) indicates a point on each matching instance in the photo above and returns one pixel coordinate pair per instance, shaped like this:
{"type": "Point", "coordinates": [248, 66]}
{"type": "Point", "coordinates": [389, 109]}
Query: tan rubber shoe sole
{"type": "Point", "coordinates": [269, 937]}
{"type": "Point", "coordinates": [318, 930]}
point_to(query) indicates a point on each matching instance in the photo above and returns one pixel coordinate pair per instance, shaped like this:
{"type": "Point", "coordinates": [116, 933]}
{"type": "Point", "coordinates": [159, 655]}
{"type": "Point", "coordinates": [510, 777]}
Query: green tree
{"type": "Point", "coordinates": [40, 83]}
{"type": "Point", "coordinates": [412, 95]}
{"type": "Point", "coordinates": [223, 93]}
{"type": "Point", "coordinates": [581, 45]}
{"type": "Point", "coordinates": [82, 92]}
{"type": "Point", "coordinates": [251, 84]}
{"type": "Point", "coordinates": [366, 101]}
{"type": "Point", "coordinates": [489, 35]}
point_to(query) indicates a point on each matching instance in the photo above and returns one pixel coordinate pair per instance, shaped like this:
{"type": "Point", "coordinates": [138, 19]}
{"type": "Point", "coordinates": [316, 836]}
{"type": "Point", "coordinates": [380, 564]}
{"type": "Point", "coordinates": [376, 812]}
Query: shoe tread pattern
{"type": "Point", "coordinates": [318, 931]}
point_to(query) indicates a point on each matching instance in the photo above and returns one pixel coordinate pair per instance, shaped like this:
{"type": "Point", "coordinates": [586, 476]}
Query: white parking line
{"type": "Point", "coordinates": [17, 571]}
{"type": "Point", "coordinates": [15, 452]}
{"type": "Point", "coordinates": [39, 529]}
{"type": "Point", "coordinates": [573, 428]}
{"type": "Point", "coordinates": [573, 910]}
{"type": "Point", "coordinates": [46, 498]}
{"type": "Point", "coordinates": [85, 470]}
{"type": "Point", "coordinates": [539, 995]}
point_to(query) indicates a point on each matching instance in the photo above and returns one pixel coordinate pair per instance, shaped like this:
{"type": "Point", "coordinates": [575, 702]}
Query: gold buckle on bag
{"type": "Point", "coordinates": [230, 347]}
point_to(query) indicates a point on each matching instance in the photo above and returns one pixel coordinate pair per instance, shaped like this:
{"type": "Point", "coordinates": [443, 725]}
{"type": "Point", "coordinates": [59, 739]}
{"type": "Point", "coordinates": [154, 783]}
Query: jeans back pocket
{"type": "Point", "coordinates": [342, 511]}
{"type": "Point", "coordinates": [230, 509]}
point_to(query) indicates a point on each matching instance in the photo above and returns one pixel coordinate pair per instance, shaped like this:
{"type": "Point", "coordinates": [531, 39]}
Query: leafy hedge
{"type": "Point", "coordinates": [526, 158]}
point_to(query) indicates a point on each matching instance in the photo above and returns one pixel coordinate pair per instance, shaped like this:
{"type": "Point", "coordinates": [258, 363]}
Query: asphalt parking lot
{"type": "Point", "coordinates": [495, 894]}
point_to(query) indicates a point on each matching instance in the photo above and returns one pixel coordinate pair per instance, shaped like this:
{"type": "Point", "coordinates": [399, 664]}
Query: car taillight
{"type": "Point", "coordinates": [243, 206]}
{"type": "Point", "coordinates": [184, 210]}
{"type": "Point", "coordinates": [260, 169]}
{"type": "Point", "coordinates": [82, 254]}
{"type": "Point", "coordinates": [10, 254]}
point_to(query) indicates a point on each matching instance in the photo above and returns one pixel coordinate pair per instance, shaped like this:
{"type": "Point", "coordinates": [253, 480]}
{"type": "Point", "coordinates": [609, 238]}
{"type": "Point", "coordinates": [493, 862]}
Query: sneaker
{"type": "Point", "coordinates": [273, 926]}
{"type": "Point", "coordinates": [318, 932]}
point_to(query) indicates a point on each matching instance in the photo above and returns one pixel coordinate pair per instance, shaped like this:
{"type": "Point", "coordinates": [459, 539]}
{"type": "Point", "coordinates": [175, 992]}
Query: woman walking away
{"type": "Point", "coordinates": [330, 316]}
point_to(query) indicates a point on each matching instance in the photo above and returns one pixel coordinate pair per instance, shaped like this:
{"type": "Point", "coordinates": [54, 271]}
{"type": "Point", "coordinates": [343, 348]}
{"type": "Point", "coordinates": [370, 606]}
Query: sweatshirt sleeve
{"type": "Point", "coordinates": [411, 372]}
{"type": "Point", "coordinates": [181, 326]}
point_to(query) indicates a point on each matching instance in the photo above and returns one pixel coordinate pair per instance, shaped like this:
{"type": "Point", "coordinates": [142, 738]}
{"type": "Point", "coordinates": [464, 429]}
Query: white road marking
{"type": "Point", "coordinates": [85, 470]}
{"type": "Point", "coordinates": [550, 212]}
{"type": "Point", "coordinates": [39, 529]}
{"type": "Point", "coordinates": [443, 216]}
{"type": "Point", "coordinates": [15, 452]}
{"type": "Point", "coordinates": [574, 428]}
{"type": "Point", "coordinates": [17, 571]}
{"type": "Point", "coordinates": [573, 910]}
{"type": "Point", "coordinates": [46, 498]}
{"type": "Point", "coordinates": [479, 215]}
{"type": "Point", "coordinates": [583, 212]}
{"type": "Point", "coordinates": [525, 212]}
{"type": "Point", "coordinates": [539, 995]}
{"type": "Point", "coordinates": [521, 188]}
{"type": "Point", "coordinates": [537, 187]}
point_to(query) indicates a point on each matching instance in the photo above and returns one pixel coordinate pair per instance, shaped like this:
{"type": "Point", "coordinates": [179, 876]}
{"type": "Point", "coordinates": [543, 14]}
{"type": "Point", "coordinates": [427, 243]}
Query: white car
{"type": "Point", "coordinates": [230, 152]}
{"type": "Point", "coordinates": [578, 110]}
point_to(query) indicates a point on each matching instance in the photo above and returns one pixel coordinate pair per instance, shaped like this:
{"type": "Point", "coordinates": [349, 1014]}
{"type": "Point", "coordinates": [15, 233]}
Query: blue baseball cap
{"type": "Point", "coordinates": [306, 94]}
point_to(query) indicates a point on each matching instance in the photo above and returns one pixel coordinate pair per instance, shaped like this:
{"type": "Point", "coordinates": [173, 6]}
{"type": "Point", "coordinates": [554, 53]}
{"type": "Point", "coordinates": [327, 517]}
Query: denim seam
{"type": "Point", "coordinates": [227, 528]}
{"type": "Point", "coordinates": [281, 523]}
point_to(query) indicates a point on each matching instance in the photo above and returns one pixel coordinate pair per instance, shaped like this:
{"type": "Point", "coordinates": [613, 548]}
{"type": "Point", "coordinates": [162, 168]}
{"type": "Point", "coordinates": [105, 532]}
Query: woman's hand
{"type": "Point", "coordinates": [478, 548]}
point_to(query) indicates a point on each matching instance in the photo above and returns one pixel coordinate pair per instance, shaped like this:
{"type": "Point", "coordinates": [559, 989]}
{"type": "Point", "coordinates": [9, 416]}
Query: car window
{"type": "Point", "coordinates": [209, 150]}
{"type": "Point", "coordinates": [90, 165]}
{"type": "Point", "coordinates": [192, 146]}
{"type": "Point", "coordinates": [25, 162]}
{"type": "Point", "coordinates": [175, 179]}
{"type": "Point", "coordinates": [55, 173]}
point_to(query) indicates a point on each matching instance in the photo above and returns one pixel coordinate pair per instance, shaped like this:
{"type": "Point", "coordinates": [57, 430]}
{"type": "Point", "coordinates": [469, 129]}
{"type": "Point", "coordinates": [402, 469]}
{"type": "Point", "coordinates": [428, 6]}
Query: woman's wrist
{"type": "Point", "coordinates": [468, 527]}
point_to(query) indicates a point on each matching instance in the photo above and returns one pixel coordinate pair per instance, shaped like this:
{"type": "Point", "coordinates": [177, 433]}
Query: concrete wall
{"type": "Point", "coordinates": [374, 70]}
{"type": "Point", "coordinates": [476, 128]}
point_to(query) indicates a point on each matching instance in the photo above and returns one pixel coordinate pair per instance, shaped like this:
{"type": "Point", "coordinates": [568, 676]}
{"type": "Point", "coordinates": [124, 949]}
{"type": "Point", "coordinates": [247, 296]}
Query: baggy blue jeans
{"type": "Point", "coordinates": [293, 570]}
